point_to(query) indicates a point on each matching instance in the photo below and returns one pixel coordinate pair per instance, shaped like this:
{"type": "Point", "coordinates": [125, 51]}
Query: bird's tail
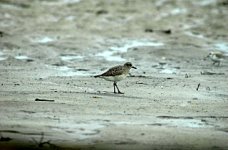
{"type": "Point", "coordinates": [97, 76]}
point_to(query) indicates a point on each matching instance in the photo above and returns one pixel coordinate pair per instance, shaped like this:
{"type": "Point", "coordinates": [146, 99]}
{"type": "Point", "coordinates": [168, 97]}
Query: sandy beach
{"type": "Point", "coordinates": [50, 52]}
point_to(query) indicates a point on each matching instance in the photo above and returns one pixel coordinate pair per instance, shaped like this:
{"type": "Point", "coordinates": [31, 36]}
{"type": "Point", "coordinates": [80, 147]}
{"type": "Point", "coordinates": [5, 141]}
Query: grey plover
{"type": "Point", "coordinates": [216, 57]}
{"type": "Point", "coordinates": [116, 74]}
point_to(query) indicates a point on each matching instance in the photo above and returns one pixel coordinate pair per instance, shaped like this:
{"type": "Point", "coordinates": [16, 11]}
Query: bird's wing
{"type": "Point", "coordinates": [117, 70]}
{"type": "Point", "coordinates": [220, 55]}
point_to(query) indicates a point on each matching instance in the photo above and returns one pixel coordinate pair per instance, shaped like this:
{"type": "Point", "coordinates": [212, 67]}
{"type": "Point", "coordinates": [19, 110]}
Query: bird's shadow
{"type": "Point", "coordinates": [111, 94]}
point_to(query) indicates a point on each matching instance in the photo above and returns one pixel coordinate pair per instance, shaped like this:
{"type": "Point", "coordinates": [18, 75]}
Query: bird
{"type": "Point", "coordinates": [115, 74]}
{"type": "Point", "coordinates": [216, 57]}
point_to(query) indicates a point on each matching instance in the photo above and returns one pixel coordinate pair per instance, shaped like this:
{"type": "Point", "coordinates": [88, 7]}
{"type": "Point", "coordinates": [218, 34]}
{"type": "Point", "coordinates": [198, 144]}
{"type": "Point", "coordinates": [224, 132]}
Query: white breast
{"type": "Point", "coordinates": [114, 78]}
{"type": "Point", "coordinates": [215, 58]}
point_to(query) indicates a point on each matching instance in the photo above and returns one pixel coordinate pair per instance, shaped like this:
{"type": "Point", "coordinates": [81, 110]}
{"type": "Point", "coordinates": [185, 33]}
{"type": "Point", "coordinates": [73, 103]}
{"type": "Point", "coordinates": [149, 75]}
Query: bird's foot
{"type": "Point", "coordinates": [120, 92]}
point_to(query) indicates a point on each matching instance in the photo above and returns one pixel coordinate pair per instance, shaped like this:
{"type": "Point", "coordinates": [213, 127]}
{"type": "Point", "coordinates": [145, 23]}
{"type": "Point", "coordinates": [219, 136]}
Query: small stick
{"type": "Point", "coordinates": [44, 100]}
{"type": "Point", "coordinates": [198, 87]}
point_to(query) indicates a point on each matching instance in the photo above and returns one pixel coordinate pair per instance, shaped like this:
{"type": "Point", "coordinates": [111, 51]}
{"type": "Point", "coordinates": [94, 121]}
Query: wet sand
{"type": "Point", "coordinates": [50, 51]}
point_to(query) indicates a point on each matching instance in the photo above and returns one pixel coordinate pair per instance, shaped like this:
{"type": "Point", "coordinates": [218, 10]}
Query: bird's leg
{"type": "Point", "coordinates": [118, 88]}
{"type": "Point", "coordinates": [114, 85]}
{"type": "Point", "coordinates": [218, 63]}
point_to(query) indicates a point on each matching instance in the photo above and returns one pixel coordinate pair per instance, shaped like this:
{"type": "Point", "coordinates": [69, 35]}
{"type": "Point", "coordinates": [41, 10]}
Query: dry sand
{"type": "Point", "coordinates": [50, 51]}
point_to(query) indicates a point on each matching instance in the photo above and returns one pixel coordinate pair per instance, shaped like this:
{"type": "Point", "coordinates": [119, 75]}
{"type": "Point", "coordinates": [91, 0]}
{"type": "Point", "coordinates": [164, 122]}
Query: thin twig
{"type": "Point", "coordinates": [44, 100]}
{"type": "Point", "coordinates": [198, 87]}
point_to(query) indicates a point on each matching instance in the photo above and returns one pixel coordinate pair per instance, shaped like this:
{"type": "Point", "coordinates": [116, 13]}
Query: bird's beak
{"type": "Point", "coordinates": [134, 67]}
{"type": "Point", "coordinates": [206, 57]}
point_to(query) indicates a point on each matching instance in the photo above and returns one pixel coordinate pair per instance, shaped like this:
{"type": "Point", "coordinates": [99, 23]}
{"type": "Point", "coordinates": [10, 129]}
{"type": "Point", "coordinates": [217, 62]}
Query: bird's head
{"type": "Point", "coordinates": [129, 65]}
{"type": "Point", "coordinates": [209, 55]}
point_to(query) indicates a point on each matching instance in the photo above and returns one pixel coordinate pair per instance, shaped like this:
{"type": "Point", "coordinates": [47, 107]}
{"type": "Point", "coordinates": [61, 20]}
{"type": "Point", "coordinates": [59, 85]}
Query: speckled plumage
{"type": "Point", "coordinates": [115, 71]}
{"type": "Point", "coordinates": [116, 74]}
